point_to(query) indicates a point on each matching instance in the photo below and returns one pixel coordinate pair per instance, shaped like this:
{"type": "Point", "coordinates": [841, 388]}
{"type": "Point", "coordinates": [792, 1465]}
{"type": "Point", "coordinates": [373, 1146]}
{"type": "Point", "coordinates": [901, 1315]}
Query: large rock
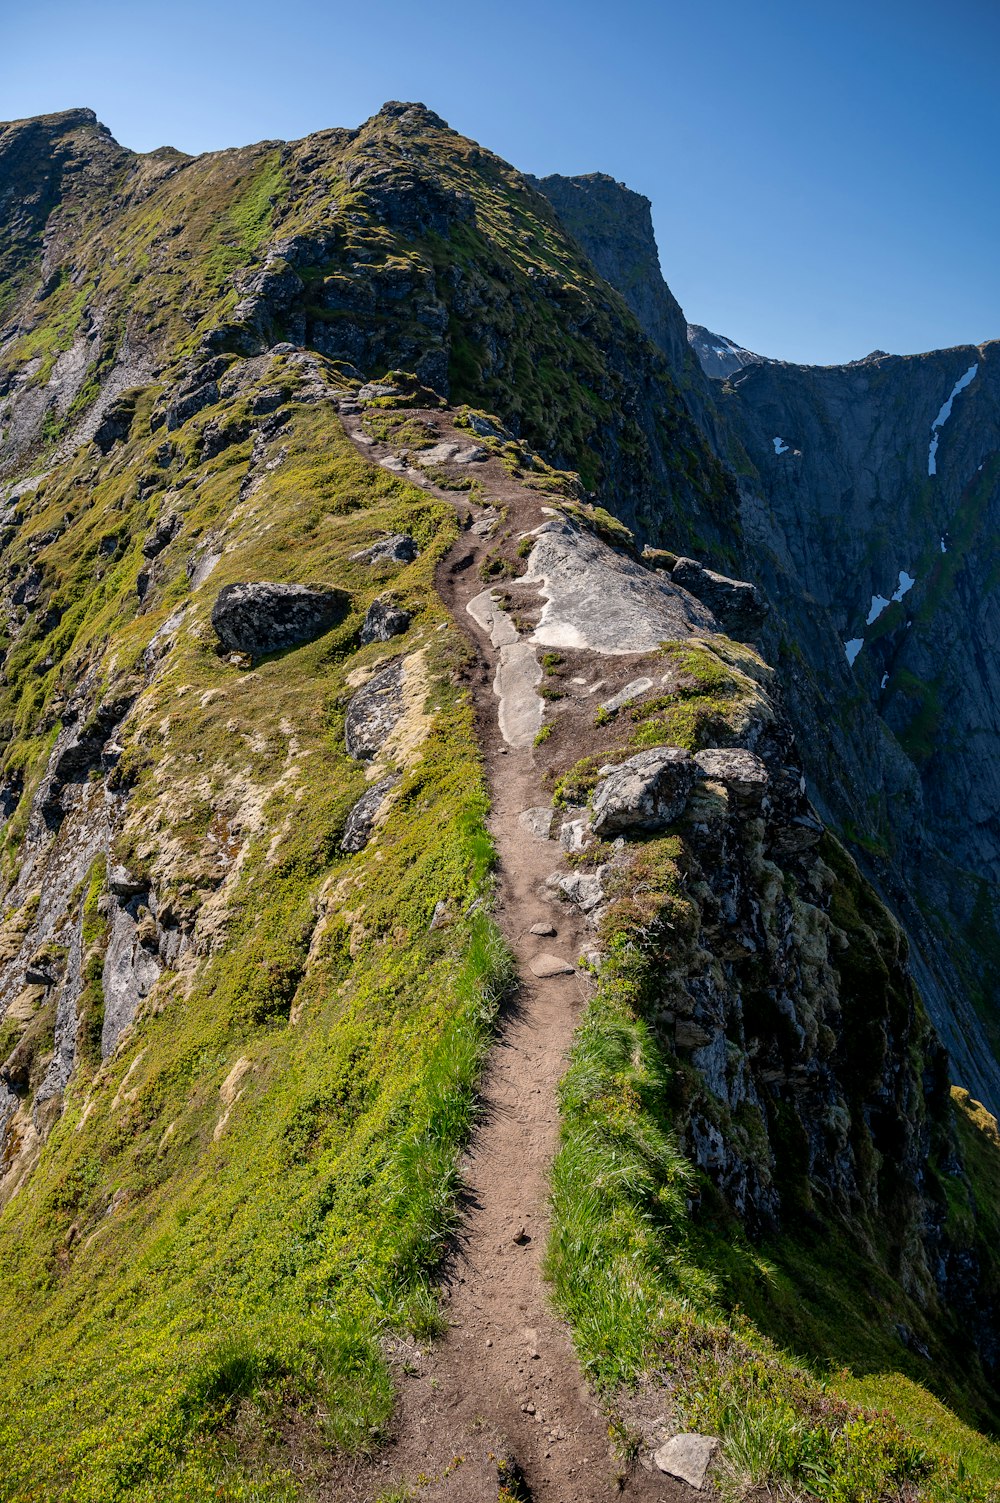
{"type": "Point", "coordinates": [737, 604]}
{"type": "Point", "coordinates": [397, 548]}
{"type": "Point", "coordinates": [374, 712]}
{"type": "Point", "coordinates": [648, 792]}
{"type": "Point", "coordinates": [361, 820]}
{"type": "Point", "coordinates": [384, 620]}
{"type": "Point", "coordinates": [265, 617]}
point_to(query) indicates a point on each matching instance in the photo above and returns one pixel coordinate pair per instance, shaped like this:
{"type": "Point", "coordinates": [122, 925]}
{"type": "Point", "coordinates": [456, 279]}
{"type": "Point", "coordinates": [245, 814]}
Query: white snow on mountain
{"type": "Point", "coordinates": [944, 415]}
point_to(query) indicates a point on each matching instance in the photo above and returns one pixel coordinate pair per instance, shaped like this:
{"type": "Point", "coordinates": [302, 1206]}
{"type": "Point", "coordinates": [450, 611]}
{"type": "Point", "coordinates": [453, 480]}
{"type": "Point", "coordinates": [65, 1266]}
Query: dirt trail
{"type": "Point", "coordinates": [505, 1381]}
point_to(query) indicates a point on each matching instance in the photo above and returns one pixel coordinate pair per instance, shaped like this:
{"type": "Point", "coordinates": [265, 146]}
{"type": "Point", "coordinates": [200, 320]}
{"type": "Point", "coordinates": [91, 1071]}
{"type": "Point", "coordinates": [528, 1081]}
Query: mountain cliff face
{"type": "Point", "coordinates": [362, 671]}
{"type": "Point", "coordinates": [888, 663]}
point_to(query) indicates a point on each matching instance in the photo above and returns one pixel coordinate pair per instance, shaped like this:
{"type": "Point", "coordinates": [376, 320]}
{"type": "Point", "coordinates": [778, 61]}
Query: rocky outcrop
{"type": "Point", "coordinates": [398, 548]}
{"type": "Point", "coordinates": [648, 792]}
{"type": "Point", "coordinates": [361, 820]}
{"type": "Point", "coordinates": [384, 619]}
{"type": "Point", "coordinates": [374, 711]}
{"type": "Point", "coordinates": [264, 617]}
{"type": "Point", "coordinates": [131, 965]}
{"type": "Point", "coordinates": [738, 605]}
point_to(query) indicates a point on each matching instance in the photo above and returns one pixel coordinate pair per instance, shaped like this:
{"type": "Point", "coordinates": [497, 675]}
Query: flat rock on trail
{"type": "Point", "coordinates": [505, 1381]}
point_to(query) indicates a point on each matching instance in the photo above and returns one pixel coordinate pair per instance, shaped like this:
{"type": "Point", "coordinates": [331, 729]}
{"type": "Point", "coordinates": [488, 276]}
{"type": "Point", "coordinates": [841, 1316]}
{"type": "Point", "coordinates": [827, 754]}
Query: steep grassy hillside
{"type": "Point", "coordinates": [257, 1180]}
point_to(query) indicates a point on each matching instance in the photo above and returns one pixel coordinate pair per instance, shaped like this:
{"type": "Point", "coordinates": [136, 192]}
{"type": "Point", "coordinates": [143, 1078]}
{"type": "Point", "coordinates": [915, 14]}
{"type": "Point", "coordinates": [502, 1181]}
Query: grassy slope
{"type": "Point", "coordinates": [158, 1279]}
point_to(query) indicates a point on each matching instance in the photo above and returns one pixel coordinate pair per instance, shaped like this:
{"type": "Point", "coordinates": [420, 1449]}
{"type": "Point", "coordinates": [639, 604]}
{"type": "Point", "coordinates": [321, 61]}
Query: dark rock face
{"type": "Point", "coordinates": [358, 829]}
{"type": "Point", "coordinates": [84, 744]}
{"type": "Point", "coordinates": [648, 792]}
{"type": "Point", "coordinates": [871, 523]}
{"type": "Point", "coordinates": [384, 620]}
{"type": "Point", "coordinates": [615, 227]}
{"type": "Point", "coordinates": [116, 425]}
{"type": "Point", "coordinates": [739, 606]}
{"type": "Point", "coordinates": [166, 529]}
{"type": "Point", "coordinates": [836, 499]}
{"type": "Point", "coordinates": [266, 617]}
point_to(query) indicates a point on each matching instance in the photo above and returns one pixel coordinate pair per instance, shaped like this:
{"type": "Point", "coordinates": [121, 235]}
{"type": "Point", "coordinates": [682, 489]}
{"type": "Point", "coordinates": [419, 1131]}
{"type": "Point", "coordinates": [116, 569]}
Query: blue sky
{"type": "Point", "coordinates": [823, 175]}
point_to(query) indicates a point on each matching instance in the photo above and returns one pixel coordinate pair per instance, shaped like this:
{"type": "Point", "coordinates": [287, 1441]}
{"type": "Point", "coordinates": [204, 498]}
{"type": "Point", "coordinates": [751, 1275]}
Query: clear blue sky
{"type": "Point", "coordinates": [823, 175]}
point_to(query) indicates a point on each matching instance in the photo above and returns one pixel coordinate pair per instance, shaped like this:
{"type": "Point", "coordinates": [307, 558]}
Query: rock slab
{"type": "Point", "coordinates": [687, 1457]}
{"type": "Point", "coordinates": [360, 821]}
{"type": "Point", "coordinates": [374, 712]}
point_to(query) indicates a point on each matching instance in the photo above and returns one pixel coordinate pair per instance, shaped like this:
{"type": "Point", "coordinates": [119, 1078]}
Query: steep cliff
{"type": "Point", "coordinates": [340, 697]}
{"type": "Point", "coordinates": [888, 661]}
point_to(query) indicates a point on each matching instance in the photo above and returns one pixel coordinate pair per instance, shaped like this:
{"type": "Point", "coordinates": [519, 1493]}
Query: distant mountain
{"type": "Point", "coordinates": [719, 356]}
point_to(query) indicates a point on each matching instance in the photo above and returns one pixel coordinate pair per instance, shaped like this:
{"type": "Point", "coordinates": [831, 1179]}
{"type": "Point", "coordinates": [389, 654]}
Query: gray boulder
{"type": "Point", "coordinates": [398, 548]}
{"type": "Point", "coordinates": [373, 712]}
{"type": "Point", "coordinates": [265, 617]}
{"type": "Point", "coordinates": [384, 620]}
{"type": "Point", "coordinates": [742, 772]}
{"type": "Point", "coordinates": [738, 605]}
{"type": "Point", "coordinates": [360, 821]}
{"type": "Point", "coordinates": [648, 792]}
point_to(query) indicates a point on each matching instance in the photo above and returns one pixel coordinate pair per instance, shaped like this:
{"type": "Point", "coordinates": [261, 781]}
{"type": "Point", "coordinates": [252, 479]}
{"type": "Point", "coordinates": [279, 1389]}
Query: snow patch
{"type": "Point", "coordinates": [852, 648]}
{"type": "Point", "coordinates": [780, 447]}
{"type": "Point", "coordinates": [944, 415]}
{"type": "Point", "coordinates": [944, 546]}
{"type": "Point", "coordinates": [879, 602]}
{"type": "Point", "coordinates": [885, 680]}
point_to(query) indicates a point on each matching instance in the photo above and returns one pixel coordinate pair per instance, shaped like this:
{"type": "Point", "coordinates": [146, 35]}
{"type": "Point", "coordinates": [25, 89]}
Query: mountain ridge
{"type": "Point", "coordinates": [484, 533]}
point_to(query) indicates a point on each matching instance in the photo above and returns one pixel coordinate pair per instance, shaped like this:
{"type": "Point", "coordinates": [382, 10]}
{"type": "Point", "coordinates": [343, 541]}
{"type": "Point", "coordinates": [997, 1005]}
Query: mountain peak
{"type": "Point", "coordinates": [411, 113]}
{"type": "Point", "coordinates": [718, 356]}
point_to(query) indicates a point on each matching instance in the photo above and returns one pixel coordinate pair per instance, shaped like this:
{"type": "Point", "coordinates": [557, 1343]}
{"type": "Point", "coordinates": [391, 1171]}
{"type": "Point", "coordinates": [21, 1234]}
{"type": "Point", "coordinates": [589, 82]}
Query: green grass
{"type": "Point", "coordinates": [186, 1274]}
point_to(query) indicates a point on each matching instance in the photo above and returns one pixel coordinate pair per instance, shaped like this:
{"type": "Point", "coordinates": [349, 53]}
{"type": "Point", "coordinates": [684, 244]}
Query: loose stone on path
{"type": "Point", "coordinates": [545, 966]}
